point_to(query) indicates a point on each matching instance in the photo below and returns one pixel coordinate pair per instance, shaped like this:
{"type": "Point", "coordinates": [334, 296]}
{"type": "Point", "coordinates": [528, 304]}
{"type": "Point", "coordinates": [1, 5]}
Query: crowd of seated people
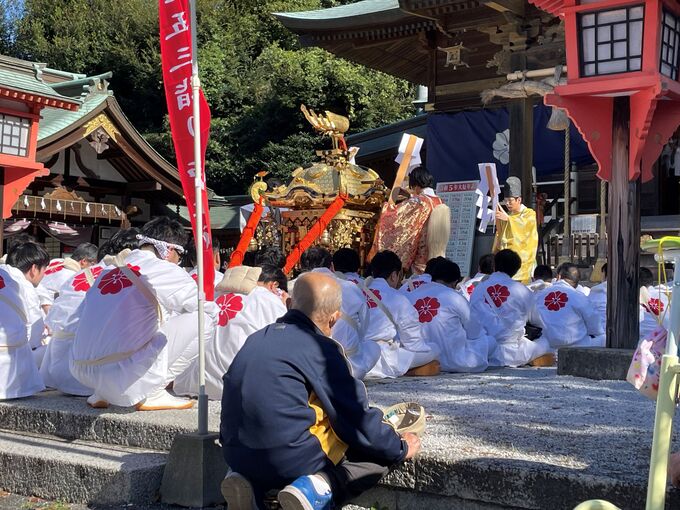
{"type": "Point", "coordinates": [120, 325]}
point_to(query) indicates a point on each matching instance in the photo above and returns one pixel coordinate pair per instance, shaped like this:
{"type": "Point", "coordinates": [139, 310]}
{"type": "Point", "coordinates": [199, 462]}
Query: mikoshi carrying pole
{"type": "Point", "coordinates": [198, 239]}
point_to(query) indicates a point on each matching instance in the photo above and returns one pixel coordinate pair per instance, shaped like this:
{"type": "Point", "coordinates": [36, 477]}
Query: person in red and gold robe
{"type": "Point", "coordinates": [417, 229]}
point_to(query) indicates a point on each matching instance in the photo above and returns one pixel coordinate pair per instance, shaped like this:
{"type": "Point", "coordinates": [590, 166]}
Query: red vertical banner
{"type": "Point", "coordinates": [176, 58]}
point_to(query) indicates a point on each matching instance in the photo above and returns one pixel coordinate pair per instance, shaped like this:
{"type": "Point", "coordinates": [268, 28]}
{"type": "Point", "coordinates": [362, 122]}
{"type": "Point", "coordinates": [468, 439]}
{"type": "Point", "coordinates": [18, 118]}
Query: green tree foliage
{"type": "Point", "coordinates": [254, 73]}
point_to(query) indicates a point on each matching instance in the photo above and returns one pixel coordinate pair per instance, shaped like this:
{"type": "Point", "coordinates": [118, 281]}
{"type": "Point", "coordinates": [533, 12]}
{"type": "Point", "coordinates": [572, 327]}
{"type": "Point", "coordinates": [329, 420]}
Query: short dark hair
{"type": "Point", "coordinates": [346, 260]}
{"type": "Point", "coordinates": [543, 272]}
{"type": "Point", "coordinates": [486, 264]}
{"type": "Point", "coordinates": [19, 239]}
{"type": "Point", "coordinates": [646, 277]}
{"type": "Point", "coordinates": [508, 262]}
{"type": "Point", "coordinates": [271, 255]}
{"type": "Point", "coordinates": [432, 264]}
{"type": "Point", "coordinates": [166, 229]}
{"type": "Point", "coordinates": [569, 272]}
{"type": "Point", "coordinates": [314, 258]}
{"type": "Point", "coordinates": [384, 264]}
{"type": "Point", "coordinates": [125, 238]}
{"type": "Point", "coordinates": [250, 259]}
{"type": "Point", "coordinates": [272, 273]}
{"type": "Point", "coordinates": [27, 255]}
{"type": "Point", "coordinates": [446, 271]}
{"type": "Point", "coordinates": [421, 178]}
{"type": "Point", "coordinates": [85, 251]}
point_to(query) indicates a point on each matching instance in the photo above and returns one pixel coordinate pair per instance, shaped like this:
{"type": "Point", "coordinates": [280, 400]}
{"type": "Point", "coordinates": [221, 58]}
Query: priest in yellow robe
{"type": "Point", "coordinates": [516, 229]}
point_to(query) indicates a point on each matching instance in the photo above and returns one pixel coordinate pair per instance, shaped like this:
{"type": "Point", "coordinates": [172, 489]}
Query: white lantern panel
{"type": "Point", "coordinates": [611, 41]}
{"type": "Point", "coordinates": [670, 45]}
{"type": "Point", "coordinates": [14, 133]}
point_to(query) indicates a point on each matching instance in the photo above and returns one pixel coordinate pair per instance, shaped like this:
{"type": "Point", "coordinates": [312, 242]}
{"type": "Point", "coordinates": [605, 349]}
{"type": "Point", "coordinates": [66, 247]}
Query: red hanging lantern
{"type": "Point", "coordinates": [621, 48]}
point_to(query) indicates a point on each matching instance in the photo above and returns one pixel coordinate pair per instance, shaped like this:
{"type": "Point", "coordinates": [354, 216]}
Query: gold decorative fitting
{"type": "Point", "coordinates": [101, 121]}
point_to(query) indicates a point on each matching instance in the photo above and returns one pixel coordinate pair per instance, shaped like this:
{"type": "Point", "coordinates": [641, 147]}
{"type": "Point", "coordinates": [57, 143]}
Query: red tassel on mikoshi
{"type": "Point", "coordinates": [246, 236]}
{"type": "Point", "coordinates": [314, 233]}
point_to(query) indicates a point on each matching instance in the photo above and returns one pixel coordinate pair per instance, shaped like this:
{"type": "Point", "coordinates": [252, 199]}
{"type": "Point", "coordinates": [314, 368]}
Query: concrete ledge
{"type": "Point", "coordinates": [77, 472]}
{"type": "Point", "coordinates": [510, 438]}
{"type": "Point", "coordinates": [599, 363]}
{"type": "Point", "coordinates": [54, 414]}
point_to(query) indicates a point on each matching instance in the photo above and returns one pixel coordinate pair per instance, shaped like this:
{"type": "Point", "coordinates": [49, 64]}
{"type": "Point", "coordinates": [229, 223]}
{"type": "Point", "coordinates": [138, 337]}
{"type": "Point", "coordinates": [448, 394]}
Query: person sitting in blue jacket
{"type": "Point", "coordinates": [294, 417]}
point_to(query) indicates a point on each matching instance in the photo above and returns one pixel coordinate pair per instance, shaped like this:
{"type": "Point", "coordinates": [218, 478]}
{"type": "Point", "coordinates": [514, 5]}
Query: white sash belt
{"type": "Point", "coordinates": [63, 335]}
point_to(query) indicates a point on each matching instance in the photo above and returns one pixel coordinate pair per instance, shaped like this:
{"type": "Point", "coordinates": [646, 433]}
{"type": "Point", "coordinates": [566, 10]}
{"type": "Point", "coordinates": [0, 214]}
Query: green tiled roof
{"type": "Point", "coordinates": [26, 83]}
{"type": "Point", "coordinates": [54, 120]}
{"type": "Point", "coordinates": [364, 12]}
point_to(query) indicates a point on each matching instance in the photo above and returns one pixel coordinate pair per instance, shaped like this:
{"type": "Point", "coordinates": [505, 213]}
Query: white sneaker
{"type": "Point", "coordinates": [237, 492]}
{"type": "Point", "coordinates": [97, 402]}
{"type": "Point", "coordinates": [162, 400]}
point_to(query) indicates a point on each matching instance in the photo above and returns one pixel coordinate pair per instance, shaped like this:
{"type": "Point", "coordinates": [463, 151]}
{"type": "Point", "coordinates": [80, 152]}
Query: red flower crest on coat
{"type": "Point", "coordinates": [655, 306]}
{"type": "Point", "coordinates": [470, 289]}
{"type": "Point", "coordinates": [115, 280]}
{"type": "Point", "coordinates": [2, 282]}
{"type": "Point", "coordinates": [80, 282]}
{"type": "Point", "coordinates": [195, 277]}
{"type": "Point", "coordinates": [414, 285]}
{"type": "Point", "coordinates": [427, 308]}
{"type": "Point", "coordinates": [555, 301]}
{"type": "Point", "coordinates": [230, 305]}
{"type": "Point", "coordinates": [499, 294]}
{"type": "Point", "coordinates": [54, 267]}
{"type": "Point", "coordinates": [369, 301]}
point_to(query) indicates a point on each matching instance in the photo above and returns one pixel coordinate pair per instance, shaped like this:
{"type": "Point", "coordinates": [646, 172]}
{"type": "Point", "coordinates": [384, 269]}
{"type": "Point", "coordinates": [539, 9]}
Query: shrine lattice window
{"type": "Point", "coordinates": [14, 135]}
{"type": "Point", "coordinates": [611, 41]}
{"type": "Point", "coordinates": [670, 45]}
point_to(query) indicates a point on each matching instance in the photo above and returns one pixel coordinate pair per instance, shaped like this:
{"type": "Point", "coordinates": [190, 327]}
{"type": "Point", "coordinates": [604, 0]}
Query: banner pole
{"type": "Point", "coordinates": [198, 237]}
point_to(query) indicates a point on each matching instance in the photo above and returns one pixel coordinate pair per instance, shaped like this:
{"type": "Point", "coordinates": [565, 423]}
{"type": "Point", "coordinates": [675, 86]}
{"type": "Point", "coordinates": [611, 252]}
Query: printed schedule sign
{"type": "Point", "coordinates": [461, 198]}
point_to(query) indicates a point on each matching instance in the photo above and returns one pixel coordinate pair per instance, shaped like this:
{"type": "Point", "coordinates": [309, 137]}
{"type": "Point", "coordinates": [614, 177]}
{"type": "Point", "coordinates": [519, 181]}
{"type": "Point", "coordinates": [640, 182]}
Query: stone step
{"type": "Point", "coordinates": [77, 471]}
{"type": "Point", "coordinates": [511, 438]}
{"type": "Point", "coordinates": [54, 414]}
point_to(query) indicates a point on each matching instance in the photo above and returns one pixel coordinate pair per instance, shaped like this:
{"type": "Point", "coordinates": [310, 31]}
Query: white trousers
{"type": "Point", "coordinates": [170, 351]}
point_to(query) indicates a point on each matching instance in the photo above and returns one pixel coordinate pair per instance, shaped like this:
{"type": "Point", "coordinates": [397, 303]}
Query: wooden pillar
{"type": "Point", "coordinates": [522, 144]}
{"type": "Point", "coordinates": [623, 250]}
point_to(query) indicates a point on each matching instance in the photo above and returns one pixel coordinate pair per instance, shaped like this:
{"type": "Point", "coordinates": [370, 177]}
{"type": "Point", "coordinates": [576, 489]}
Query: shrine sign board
{"type": "Point", "coordinates": [461, 198]}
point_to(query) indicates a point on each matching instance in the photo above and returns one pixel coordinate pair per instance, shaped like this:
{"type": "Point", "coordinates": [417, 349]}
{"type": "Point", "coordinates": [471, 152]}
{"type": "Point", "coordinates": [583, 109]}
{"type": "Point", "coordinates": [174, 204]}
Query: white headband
{"type": "Point", "coordinates": [161, 247]}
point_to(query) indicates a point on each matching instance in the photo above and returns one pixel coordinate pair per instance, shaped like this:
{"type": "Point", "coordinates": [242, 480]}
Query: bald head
{"type": "Point", "coordinates": [319, 297]}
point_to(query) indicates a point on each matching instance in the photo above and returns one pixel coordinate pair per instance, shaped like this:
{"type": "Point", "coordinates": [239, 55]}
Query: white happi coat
{"type": "Point", "coordinates": [400, 341]}
{"type": "Point", "coordinates": [218, 275]}
{"type": "Point", "coordinates": [468, 286]}
{"type": "Point", "coordinates": [503, 306]}
{"type": "Point", "coordinates": [350, 330]}
{"type": "Point", "coordinates": [240, 316]}
{"type": "Point", "coordinates": [124, 349]}
{"type": "Point", "coordinates": [444, 315]}
{"type": "Point", "coordinates": [410, 284]}
{"type": "Point", "coordinates": [538, 285]}
{"type": "Point", "coordinates": [62, 319]}
{"type": "Point", "coordinates": [654, 309]}
{"type": "Point", "coordinates": [583, 290]}
{"type": "Point", "coordinates": [351, 277]}
{"type": "Point", "coordinates": [58, 272]}
{"type": "Point", "coordinates": [567, 318]}
{"type": "Point", "coordinates": [598, 301]}
{"type": "Point", "coordinates": [19, 318]}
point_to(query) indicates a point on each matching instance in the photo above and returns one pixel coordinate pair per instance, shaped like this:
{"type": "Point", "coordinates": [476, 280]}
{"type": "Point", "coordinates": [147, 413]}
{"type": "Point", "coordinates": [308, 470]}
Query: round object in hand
{"type": "Point", "coordinates": [406, 417]}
